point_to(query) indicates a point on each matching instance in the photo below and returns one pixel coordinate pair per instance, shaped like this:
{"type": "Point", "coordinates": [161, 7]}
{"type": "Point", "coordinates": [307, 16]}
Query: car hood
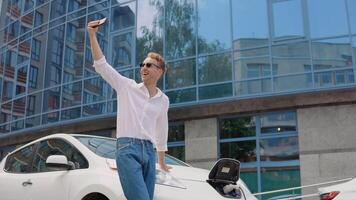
{"type": "Point", "coordinates": [349, 185]}
{"type": "Point", "coordinates": [180, 172]}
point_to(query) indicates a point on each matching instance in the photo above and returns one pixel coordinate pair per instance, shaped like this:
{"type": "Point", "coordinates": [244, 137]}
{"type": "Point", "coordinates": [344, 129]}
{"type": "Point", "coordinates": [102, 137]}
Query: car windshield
{"type": "Point", "coordinates": [106, 147]}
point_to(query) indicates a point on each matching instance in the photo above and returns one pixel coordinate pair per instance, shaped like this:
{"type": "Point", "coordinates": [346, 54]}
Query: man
{"type": "Point", "coordinates": [142, 121]}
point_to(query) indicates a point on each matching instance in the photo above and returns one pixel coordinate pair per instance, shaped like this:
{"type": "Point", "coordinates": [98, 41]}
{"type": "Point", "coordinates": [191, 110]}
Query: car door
{"type": "Point", "coordinates": [53, 183]}
{"type": "Point", "coordinates": [15, 180]}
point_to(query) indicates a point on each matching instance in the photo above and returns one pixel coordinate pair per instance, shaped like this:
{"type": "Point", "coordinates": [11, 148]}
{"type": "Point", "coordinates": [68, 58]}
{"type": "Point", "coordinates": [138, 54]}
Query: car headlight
{"type": "Point", "coordinates": [164, 178]}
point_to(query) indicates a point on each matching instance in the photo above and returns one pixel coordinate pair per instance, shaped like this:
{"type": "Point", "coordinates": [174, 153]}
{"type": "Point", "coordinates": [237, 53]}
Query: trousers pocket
{"type": "Point", "coordinates": [121, 146]}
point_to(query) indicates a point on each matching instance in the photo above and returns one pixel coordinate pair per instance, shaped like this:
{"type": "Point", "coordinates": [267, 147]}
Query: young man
{"type": "Point", "coordinates": [142, 121]}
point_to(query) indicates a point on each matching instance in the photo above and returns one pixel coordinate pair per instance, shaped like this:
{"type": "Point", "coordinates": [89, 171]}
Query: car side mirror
{"type": "Point", "coordinates": [59, 161]}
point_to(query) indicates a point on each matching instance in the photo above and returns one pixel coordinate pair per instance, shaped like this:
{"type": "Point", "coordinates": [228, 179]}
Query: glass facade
{"type": "Point", "coordinates": [267, 147]}
{"type": "Point", "coordinates": [212, 49]}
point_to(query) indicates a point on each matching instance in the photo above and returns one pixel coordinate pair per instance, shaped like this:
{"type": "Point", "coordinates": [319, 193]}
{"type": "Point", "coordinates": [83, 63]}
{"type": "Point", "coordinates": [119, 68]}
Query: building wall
{"type": "Point", "coordinates": [327, 143]}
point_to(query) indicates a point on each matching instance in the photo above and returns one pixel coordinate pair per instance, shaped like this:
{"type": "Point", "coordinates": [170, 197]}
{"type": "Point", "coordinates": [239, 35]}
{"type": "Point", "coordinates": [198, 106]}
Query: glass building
{"type": "Point", "coordinates": [243, 76]}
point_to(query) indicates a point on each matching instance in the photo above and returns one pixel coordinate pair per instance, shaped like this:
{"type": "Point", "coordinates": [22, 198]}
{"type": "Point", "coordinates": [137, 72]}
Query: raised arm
{"type": "Point", "coordinates": [109, 74]}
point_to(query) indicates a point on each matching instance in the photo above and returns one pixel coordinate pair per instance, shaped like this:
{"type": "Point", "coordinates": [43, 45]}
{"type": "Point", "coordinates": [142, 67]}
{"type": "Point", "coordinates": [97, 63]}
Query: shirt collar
{"type": "Point", "coordinates": [145, 90]}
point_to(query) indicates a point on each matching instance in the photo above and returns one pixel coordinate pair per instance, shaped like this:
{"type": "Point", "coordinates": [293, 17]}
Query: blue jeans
{"type": "Point", "coordinates": [136, 161]}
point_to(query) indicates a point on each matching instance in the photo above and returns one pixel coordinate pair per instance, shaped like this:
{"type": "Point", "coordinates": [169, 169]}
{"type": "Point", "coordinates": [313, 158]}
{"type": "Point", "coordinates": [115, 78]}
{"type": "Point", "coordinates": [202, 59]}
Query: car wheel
{"type": "Point", "coordinates": [95, 196]}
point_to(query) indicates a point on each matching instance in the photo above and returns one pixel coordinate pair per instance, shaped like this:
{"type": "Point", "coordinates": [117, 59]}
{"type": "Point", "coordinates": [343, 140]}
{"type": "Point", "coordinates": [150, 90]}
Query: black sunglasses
{"type": "Point", "coordinates": [148, 65]}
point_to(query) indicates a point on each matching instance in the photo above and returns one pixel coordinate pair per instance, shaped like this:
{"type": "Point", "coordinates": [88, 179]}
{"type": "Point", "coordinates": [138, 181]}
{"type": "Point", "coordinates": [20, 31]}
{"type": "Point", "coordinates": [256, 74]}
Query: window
{"type": "Point", "coordinates": [20, 161]}
{"type": "Point", "coordinates": [32, 82]}
{"type": "Point", "coordinates": [36, 50]}
{"type": "Point", "coordinates": [38, 19]}
{"type": "Point", "coordinates": [176, 138]}
{"type": "Point", "coordinates": [267, 147]}
{"type": "Point", "coordinates": [57, 147]}
{"type": "Point", "coordinates": [31, 104]}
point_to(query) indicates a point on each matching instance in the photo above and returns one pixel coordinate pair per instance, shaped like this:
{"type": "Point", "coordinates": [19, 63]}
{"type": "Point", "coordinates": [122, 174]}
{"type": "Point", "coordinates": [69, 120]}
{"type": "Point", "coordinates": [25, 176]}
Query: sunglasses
{"type": "Point", "coordinates": [148, 65]}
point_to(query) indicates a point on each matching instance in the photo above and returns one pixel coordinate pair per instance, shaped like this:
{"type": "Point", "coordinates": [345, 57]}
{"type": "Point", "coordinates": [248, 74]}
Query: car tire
{"type": "Point", "coordinates": [95, 196]}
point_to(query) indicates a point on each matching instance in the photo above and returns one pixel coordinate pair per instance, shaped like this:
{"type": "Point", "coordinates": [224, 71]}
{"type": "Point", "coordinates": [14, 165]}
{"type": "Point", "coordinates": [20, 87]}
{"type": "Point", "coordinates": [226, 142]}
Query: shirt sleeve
{"type": "Point", "coordinates": [162, 129]}
{"type": "Point", "coordinates": [110, 75]}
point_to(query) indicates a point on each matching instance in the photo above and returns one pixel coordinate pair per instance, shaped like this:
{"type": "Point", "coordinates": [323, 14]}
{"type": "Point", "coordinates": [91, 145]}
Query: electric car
{"type": "Point", "coordinates": [83, 167]}
{"type": "Point", "coordinates": [342, 191]}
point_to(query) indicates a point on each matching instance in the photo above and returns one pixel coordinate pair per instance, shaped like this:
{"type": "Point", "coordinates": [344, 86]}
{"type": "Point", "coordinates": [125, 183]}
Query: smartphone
{"type": "Point", "coordinates": [99, 23]}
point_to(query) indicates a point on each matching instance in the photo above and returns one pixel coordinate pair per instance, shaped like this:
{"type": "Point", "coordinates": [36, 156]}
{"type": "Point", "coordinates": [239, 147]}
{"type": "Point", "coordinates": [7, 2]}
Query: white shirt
{"type": "Point", "coordinates": [139, 115]}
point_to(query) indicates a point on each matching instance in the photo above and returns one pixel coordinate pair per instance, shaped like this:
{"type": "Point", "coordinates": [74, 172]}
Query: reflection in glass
{"type": "Point", "coordinates": [213, 17]}
{"type": "Point", "coordinates": [17, 125]}
{"type": "Point", "coordinates": [122, 50]}
{"type": "Point", "coordinates": [71, 94]}
{"type": "Point", "coordinates": [332, 53]}
{"type": "Point", "coordinates": [286, 13]}
{"type": "Point", "coordinates": [354, 47]}
{"type": "Point", "coordinates": [215, 91]}
{"type": "Point", "coordinates": [21, 80]}
{"type": "Point", "coordinates": [181, 74]}
{"type": "Point", "coordinates": [150, 21]}
{"type": "Point", "coordinates": [331, 78]}
{"type": "Point", "coordinates": [180, 28]}
{"type": "Point", "coordinates": [32, 121]}
{"type": "Point", "coordinates": [7, 90]}
{"type": "Point", "coordinates": [249, 176]}
{"type": "Point", "coordinates": [6, 112]}
{"type": "Point", "coordinates": [252, 68]}
{"type": "Point", "coordinates": [54, 62]}
{"type": "Point", "coordinates": [18, 108]}
{"type": "Point", "coordinates": [293, 82]}
{"type": "Point", "coordinates": [51, 99]}
{"type": "Point", "coordinates": [215, 68]}
{"type": "Point", "coordinates": [50, 118]}
{"type": "Point", "coordinates": [74, 50]}
{"type": "Point", "coordinates": [123, 16]}
{"type": "Point", "coordinates": [41, 17]}
{"type": "Point", "coordinates": [279, 149]}
{"type": "Point", "coordinates": [237, 127]}
{"type": "Point", "coordinates": [36, 70]}
{"type": "Point", "coordinates": [97, 7]}
{"type": "Point", "coordinates": [112, 106]}
{"type": "Point", "coordinates": [76, 5]}
{"type": "Point", "coordinates": [244, 151]}
{"type": "Point", "coordinates": [95, 90]}
{"type": "Point", "coordinates": [24, 52]}
{"type": "Point", "coordinates": [351, 4]}
{"type": "Point", "coordinates": [176, 132]}
{"type": "Point", "coordinates": [280, 178]}
{"type": "Point", "coordinates": [58, 8]}
{"type": "Point", "coordinates": [291, 58]}
{"type": "Point", "coordinates": [183, 95]}
{"type": "Point", "coordinates": [34, 102]}
{"type": "Point", "coordinates": [278, 122]}
{"type": "Point", "coordinates": [245, 35]}
{"type": "Point", "coordinates": [73, 113]}
{"type": "Point", "coordinates": [251, 53]}
{"type": "Point", "coordinates": [26, 23]}
{"type": "Point", "coordinates": [94, 109]}
{"type": "Point", "coordinates": [256, 86]}
{"type": "Point", "coordinates": [327, 20]}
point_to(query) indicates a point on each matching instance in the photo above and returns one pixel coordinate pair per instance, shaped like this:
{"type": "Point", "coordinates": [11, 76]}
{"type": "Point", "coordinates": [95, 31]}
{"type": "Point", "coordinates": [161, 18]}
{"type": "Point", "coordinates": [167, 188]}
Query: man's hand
{"type": "Point", "coordinates": [165, 167]}
{"type": "Point", "coordinates": [92, 27]}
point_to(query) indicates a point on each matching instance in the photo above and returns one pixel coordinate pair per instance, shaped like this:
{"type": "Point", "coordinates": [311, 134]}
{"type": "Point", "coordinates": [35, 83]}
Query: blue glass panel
{"type": "Point", "coordinates": [238, 127]}
{"type": "Point", "coordinates": [7, 90]}
{"type": "Point", "coordinates": [21, 80]}
{"type": "Point", "coordinates": [332, 78]}
{"type": "Point", "coordinates": [216, 68]}
{"type": "Point", "coordinates": [215, 91]}
{"type": "Point", "coordinates": [278, 122]}
{"type": "Point", "coordinates": [245, 35]}
{"type": "Point", "coordinates": [54, 60]}
{"type": "Point", "coordinates": [5, 128]}
{"type": "Point", "coordinates": [181, 74]}
{"type": "Point", "coordinates": [293, 82]}
{"type": "Point", "coordinates": [37, 66]}
{"type": "Point", "coordinates": [76, 5]}
{"type": "Point", "coordinates": [72, 94]}
{"type": "Point", "coordinates": [94, 109]}
{"type": "Point", "coordinates": [257, 86]}
{"type": "Point", "coordinates": [112, 107]}
{"type": "Point", "coordinates": [149, 29]}
{"type": "Point", "coordinates": [244, 151]}
{"type": "Point", "coordinates": [33, 121]}
{"type": "Point", "coordinates": [51, 99]}
{"type": "Point", "coordinates": [327, 20]}
{"type": "Point", "coordinates": [95, 90]}
{"type": "Point", "coordinates": [41, 16]}
{"type": "Point", "coordinates": [26, 23]}
{"type": "Point", "coordinates": [252, 68]}
{"type": "Point", "coordinates": [123, 16]}
{"type": "Point", "coordinates": [180, 96]}
{"type": "Point", "coordinates": [122, 50]}
{"type": "Point", "coordinates": [213, 17]}
{"type": "Point", "coordinates": [28, 5]}
{"type": "Point", "coordinates": [18, 108]}
{"type": "Point", "coordinates": [17, 125]}
{"type": "Point", "coordinates": [180, 30]}
{"type": "Point", "coordinates": [34, 102]}
{"type": "Point", "coordinates": [50, 118]}
{"type": "Point", "coordinates": [69, 114]}
{"type": "Point", "coordinates": [352, 14]}
{"type": "Point", "coordinates": [58, 8]}
{"type": "Point", "coordinates": [5, 112]}
{"type": "Point", "coordinates": [332, 53]}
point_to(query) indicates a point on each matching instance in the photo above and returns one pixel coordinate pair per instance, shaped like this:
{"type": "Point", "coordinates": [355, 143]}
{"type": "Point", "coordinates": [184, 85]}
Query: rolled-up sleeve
{"type": "Point", "coordinates": [109, 74]}
{"type": "Point", "coordinates": [162, 129]}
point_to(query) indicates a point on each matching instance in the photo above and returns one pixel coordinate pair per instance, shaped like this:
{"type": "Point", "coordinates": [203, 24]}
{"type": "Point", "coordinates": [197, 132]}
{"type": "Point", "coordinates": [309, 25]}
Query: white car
{"type": "Point", "coordinates": [83, 167]}
{"type": "Point", "coordinates": [342, 191]}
